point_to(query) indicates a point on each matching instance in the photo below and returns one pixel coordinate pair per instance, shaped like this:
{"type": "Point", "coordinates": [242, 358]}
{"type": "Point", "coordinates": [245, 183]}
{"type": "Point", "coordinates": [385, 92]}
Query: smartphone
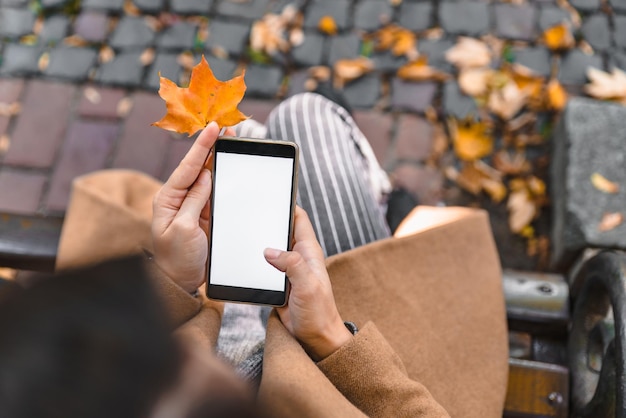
{"type": "Point", "coordinates": [252, 208]}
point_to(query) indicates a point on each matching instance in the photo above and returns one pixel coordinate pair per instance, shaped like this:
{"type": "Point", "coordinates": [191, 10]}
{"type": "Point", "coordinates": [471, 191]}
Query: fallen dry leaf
{"type": "Point", "coordinates": [92, 95]}
{"type": "Point", "coordinates": [5, 143]}
{"type": "Point", "coordinates": [296, 37]}
{"type": "Point", "coordinates": [471, 140]}
{"type": "Point", "coordinates": [475, 81]}
{"type": "Point", "coordinates": [558, 37]}
{"type": "Point", "coordinates": [511, 163]}
{"type": "Point", "coordinates": [610, 221]}
{"type": "Point", "coordinates": [476, 177]}
{"type": "Point", "coordinates": [400, 41]}
{"type": "Point", "coordinates": [130, 9]}
{"type": "Point", "coordinates": [106, 54]}
{"type": "Point", "coordinates": [147, 57]}
{"type": "Point", "coordinates": [186, 60]}
{"type": "Point", "coordinates": [603, 184]}
{"type": "Point", "coordinates": [469, 53]}
{"type": "Point", "coordinates": [38, 26]}
{"type": "Point", "coordinates": [419, 70]}
{"type": "Point", "coordinates": [10, 109]}
{"type": "Point", "coordinates": [346, 70]}
{"type": "Point", "coordinates": [219, 52]}
{"type": "Point", "coordinates": [327, 25]}
{"type": "Point", "coordinates": [124, 106]}
{"type": "Point", "coordinates": [44, 61]}
{"type": "Point", "coordinates": [268, 35]}
{"type": "Point", "coordinates": [206, 99]}
{"type": "Point", "coordinates": [507, 101]}
{"type": "Point", "coordinates": [320, 72]}
{"type": "Point", "coordinates": [495, 189]}
{"type": "Point", "coordinates": [75, 40]}
{"type": "Point", "coordinates": [608, 86]}
{"type": "Point", "coordinates": [556, 96]}
{"type": "Point", "coordinates": [522, 210]}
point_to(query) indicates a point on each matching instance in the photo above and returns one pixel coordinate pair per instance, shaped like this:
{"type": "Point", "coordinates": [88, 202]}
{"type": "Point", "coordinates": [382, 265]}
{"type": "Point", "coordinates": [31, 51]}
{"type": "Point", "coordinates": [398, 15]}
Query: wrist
{"type": "Point", "coordinates": [332, 340]}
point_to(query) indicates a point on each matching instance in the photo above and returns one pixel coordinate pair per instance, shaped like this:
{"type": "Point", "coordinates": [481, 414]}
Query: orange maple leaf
{"type": "Point", "coordinates": [206, 99]}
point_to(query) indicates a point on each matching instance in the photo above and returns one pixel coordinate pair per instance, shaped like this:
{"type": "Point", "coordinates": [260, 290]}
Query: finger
{"type": "Point", "coordinates": [290, 262]}
{"type": "Point", "coordinates": [187, 171]}
{"type": "Point", "coordinates": [230, 132]}
{"type": "Point", "coordinates": [303, 230]}
{"type": "Point", "coordinates": [197, 197]}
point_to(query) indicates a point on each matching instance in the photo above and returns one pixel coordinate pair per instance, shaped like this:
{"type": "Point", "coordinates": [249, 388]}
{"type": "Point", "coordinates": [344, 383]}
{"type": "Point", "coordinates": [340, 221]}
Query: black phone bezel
{"type": "Point", "coordinates": [283, 149]}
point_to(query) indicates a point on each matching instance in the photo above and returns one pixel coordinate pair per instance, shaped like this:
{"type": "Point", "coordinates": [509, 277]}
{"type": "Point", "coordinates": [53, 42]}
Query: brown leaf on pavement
{"type": "Point", "coordinates": [471, 140]}
{"type": "Point", "coordinates": [475, 81]}
{"type": "Point", "coordinates": [556, 96]}
{"type": "Point", "coordinates": [346, 70]}
{"type": "Point", "coordinates": [44, 61]}
{"type": "Point", "coordinates": [124, 107]}
{"type": "Point", "coordinates": [558, 37]}
{"type": "Point", "coordinates": [92, 95]}
{"type": "Point", "coordinates": [522, 210]}
{"type": "Point", "coordinates": [610, 221]}
{"type": "Point", "coordinates": [147, 57]}
{"type": "Point", "coordinates": [603, 184]}
{"type": "Point", "coordinates": [5, 143]}
{"type": "Point", "coordinates": [419, 70]}
{"type": "Point", "coordinates": [607, 86]}
{"type": "Point", "coordinates": [186, 60]}
{"type": "Point", "coordinates": [130, 9]}
{"type": "Point", "coordinates": [10, 109]}
{"type": "Point", "coordinates": [507, 101]}
{"type": "Point", "coordinates": [327, 26]}
{"type": "Point", "coordinates": [106, 54]}
{"type": "Point", "coordinates": [469, 53]}
{"type": "Point", "coordinates": [75, 40]}
{"type": "Point", "coordinates": [512, 163]}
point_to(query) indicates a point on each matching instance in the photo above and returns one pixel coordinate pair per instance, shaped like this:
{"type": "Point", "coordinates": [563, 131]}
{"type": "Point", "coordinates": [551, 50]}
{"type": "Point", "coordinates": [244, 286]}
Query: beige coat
{"type": "Point", "coordinates": [428, 302]}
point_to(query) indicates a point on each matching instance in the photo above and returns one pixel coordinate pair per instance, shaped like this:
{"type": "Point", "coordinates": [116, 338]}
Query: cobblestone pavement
{"type": "Point", "coordinates": [85, 74]}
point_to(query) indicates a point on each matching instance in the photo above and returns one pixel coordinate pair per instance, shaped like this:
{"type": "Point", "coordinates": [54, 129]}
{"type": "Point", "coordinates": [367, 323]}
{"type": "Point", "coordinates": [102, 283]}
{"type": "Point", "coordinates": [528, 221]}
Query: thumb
{"type": "Point", "coordinates": [290, 262]}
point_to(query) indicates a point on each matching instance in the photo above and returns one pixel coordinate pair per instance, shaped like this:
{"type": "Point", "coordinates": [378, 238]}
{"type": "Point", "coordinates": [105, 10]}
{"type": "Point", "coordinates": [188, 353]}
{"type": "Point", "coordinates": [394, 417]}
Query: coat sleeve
{"type": "Point", "coordinates": [371, 375]}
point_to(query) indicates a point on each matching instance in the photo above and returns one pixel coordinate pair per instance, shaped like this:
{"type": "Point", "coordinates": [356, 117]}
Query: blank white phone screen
{"type": "Point", "coordinates": [252, 204]}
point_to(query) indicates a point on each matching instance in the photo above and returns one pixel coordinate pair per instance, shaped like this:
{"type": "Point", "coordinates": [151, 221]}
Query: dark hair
{"type": "Point", "coordinates": [89, 343]}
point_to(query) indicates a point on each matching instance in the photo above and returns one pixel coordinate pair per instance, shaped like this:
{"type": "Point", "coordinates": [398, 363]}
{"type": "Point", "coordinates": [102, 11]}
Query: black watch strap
{"type": "Point", "coordinates": [351, 327]}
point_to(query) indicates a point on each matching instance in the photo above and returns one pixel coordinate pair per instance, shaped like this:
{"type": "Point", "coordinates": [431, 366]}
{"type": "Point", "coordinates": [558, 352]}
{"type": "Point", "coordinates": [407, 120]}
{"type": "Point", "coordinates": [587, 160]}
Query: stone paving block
{"type": "Point", "coordinates": [71, 63]}
{"type": "Point", "coordinates": [414, 139]}
{"type": "Point", "coordinates": [251, 9]}
{"type": "Point", "coordinates": [416, 16]}
{"type": "Point", "coordinates": [87, 148]}
{"type": "Point", "coordinates": [618, 5]}
{"type": "Point", "coordinates": [21, 191]}
{"type": "Point", "coordinates": [577, 206]}
{"type": "Point", "coordinates": [370, 15]}
{"type": "Point", "coordinates": [20, 59]}
{"type": "Point", "coordinates": [386, 62]}
{"type": "Point", "coordinates": [435, 50]}
{"type": "Point", "coordinates": [181, 36]}
{"type": "Point", "coordinates": [141, 146]}
{"type": "Point", "coordinates": [619, 34]}
{"type": "Point", "coordinates": [344, 47]}
{"type": "Point", "coordinates": [377, 128]}
{"type": "Point", "coordinates": [177, 150]}
{"type": "Point", "coordinates": [4, 126]}
{"type": "Point", "coordinates": [125, 69]}
{"type": "Point", "coordinates": [15, 23]}
{"type": "Point", "coordinates": [55, 28]}
{"type": "Point", "coordinates": [40, 128]}
{"type": "Point", "coordinates": [188, 7]}
{"type": "Point", "coordinates": [414, 97]}
{"type": "Point", "coordinates": [597, 31]}
{"type": "Point", "coordinates": [364, 92]}
{"type": "Point", "coordinates": [223, 69]}
{"type": "Point", "coordinates": [515, 21]}
{"type": "Point", "coordinates": [586, 6]}
{"type": "Point", "coordinates": [258, 110]}
{"type": "Point", "coordinates": [92, 26]}
{"type": "Point", "coordinates": [536, 58]}
{"type": "Point", "coordinates": [551, 15]}
{"type": "Point", "coordinates": [150, 6]}
{"type": "Point", "coordinates": [168, 66]}
{"type": "Point", "coordinates": [13, 3]}
{"type": "Point", "coordinates": [229, 36]}
{"type": "Point", "coordinates": [464, 17]}
{"type": "Point", "coordinates": [263, 80]}
{"type": "Point", "coordinates": [456, 103]}
{"type": "Point", "coordinates": [617, 59]}
{"type": "Point", "coordinates": [337, 9]}
{"type": "Point", "coordinates": [424, 183]}
{"type": "Point", "coordinates": [573, 68]}
{"type": "Point", "coordinates": [11, 89]}
{"type": "Point", "coordinates": [115, 6]}
{"type": "Point", "coordinates": [311, 52]}
{"type": "Point", "coordinates": [132, 32]}
{"type": "Point", "coordinates": [101, 104]}
{"type": "Point", "coordinates": [49, 5]}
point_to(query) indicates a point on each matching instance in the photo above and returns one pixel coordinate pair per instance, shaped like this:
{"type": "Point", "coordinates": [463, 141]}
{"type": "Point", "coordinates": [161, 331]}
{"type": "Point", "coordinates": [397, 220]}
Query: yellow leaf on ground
{"type": "Point", "coordinates": [556, 95]}
{"type": "Point", "coordinates": [495, 189]}
{"type": "Point", "coordinates": [475, 81]}
{"type": "Point", "coordinates": [507, 101]}
{"type": "Point", "coordinates": [610, 221]}
{"type": "Point", "coordinates": [205, 100]}
{"type": "Point", "coordinates": [405, 44]}
{"type": "Point", "coordinates": [558, 37]}
{"type": "Point", "coordinates": [606, 85]}
{"type": "Point", "coordinates": [419, 70]}
{"type": "Point", "coordinates": [346, 70]}
{"type": "Point", "coordinates": [603, 184]}
{"type": "Point", "coordinates": [471, 141]}
{"type": "Point", "coordinates": [469, 53]}
{"type": "Point", "coordinates": [327, 25]}
{"type": "Point", "coordinates": [522, 210]}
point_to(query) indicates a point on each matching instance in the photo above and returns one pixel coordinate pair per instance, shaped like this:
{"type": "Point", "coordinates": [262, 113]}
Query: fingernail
{"type": "Point", "coordinates": [204, 177]}
{"type": "Point", "coordinates": [272, 253]}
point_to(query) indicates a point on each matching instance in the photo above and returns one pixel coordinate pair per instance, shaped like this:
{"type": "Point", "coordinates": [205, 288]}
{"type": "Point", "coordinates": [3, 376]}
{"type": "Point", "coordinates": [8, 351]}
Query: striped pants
{"type": "Point", "coordinates": [340, 186]}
